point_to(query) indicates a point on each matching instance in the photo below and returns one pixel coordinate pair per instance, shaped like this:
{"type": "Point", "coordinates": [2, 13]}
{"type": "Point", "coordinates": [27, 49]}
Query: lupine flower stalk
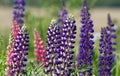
{"type": "Point", "coordinates": [110, 26]}
{"type": "Point", "coordinates": [39, 49]}
{"type": "Point", "coordinates": [20, 52]}
{"type": "Point", "coordinates": [19, 11]}
{"type": "Point", "coordinates": [60, 47]}
{"type": "Point", "coordinates": [65, 56]}
{"type": "Point", "coordinates": [86, 43]}
{"type": "Point", "coordinates": [111, 29]}
{"type": "Point", "coordinates": [60, 40]}
{"type": "Point", "coordinates": [63, 12]}
{"type": "Point", "coordinates": [106, 57]}
{"type": "Point", "coordinates": [50, 49]}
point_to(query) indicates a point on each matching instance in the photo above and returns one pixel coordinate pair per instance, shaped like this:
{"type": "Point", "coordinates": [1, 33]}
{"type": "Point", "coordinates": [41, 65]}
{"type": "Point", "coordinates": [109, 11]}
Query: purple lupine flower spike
{"type": "Point", "coordinates": [50, 49]}
{"type": "Point", "coordinates": [110, 25]}
{"type": "Point", "coordinates": [63, 12]}
{"type": "Point", "coordinates": [106, 57]}
{"type": "Point", "coordinates": [59, 50]}
{"type": "Point", "coordinates": [66, 46]}
{"type": "Point", "coordinates": [111, 28]}
{"type": "Point", "coordinates": [20, 52]}
{"type": "Point", "coordinates": [86, 43]}
{"type": "Point", "coordinates": [19, 11]}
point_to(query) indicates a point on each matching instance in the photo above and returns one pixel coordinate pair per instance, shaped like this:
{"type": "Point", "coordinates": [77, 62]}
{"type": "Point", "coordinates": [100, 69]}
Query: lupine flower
{"type": "Point", "coordinates": [106, 57]}
{"type": "Point", "coordinates": [20, 52]}
{"type": "Point", "coordinates": [110, 26]}
{"type": "Point", "coordinates": [19, 11]}
{"type": "Point", "coordinates": [39, 50]}
{"type": "Point", "coordinates": [9, 56]}
{"type": "Point", "coordinates": [63, 12]}
{"type": "Point", "coordinates": [84, 56]}
{"type": "Point", "coordinates": [50, 49]}
{"type": "Point", "coordinates": [111, 29]}
{"type": "Point", "coordinates": [15, 29]}
{"type": "Point", "coordinates": [60, 47]}
{"type": "Point", "coordinates": [65, 53]}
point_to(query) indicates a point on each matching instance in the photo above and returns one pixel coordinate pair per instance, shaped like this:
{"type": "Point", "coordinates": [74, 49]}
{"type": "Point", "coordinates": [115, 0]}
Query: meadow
{"type": "Point", "coordinates": [40, 19]}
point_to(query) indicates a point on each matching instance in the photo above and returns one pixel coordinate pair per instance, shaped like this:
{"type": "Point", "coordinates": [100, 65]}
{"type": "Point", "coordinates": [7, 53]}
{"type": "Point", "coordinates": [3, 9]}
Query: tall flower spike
{"type": "Point", "coordinates": [110, 28]}
{"type": "Point", "coordinates": [39, 50]}
{"type": "Point", "coordinates": [50, 49]}
{"type": "Point", "coordinates": [106, 57]}
{"type": "Point", "coordinates": [106, 48]}
{"type": "Point", "coordinates": [9, 57]}
{"type": "Point", "coordinates": [19, 11]}
{"type": "Point", "coordinates": [86, 43]}
{"type": "Point", "coordinates": [63, 12]}
{"type": "Point", "coordinates": [60, 47]}
{"type": "Point", "coordinates": [65, 54]}
{"type": "Point", "coordinates": [20, 52]}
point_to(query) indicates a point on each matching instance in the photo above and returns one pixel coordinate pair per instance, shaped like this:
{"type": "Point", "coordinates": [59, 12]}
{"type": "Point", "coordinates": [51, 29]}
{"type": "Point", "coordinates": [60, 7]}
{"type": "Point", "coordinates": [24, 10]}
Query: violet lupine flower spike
{"type": "Point", "coordinates": [111, 29]}
{"type": "Point", "coordinates": [65, 55]}
{"type": "Point", "coordinates": [59, 50]}
{"type": "Point", "coordinates": [39, 50]}
{"type": "Point", "coordinates": [19, 11]}
{"type": "Point", "coordinates": [106, 41]}
{"type": "Point", "coordinates": [50, 49]}
{"type": "Point", "coordinates": [106, 57]}
{"type": "Point", "coordinates": [86, 43]}
{"type": "Point", "coordinates": [20, 52]}
{"type": "Point", "coordinates": [63, 12]}
{"type": "Point", "coordinates": [110, 26]}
